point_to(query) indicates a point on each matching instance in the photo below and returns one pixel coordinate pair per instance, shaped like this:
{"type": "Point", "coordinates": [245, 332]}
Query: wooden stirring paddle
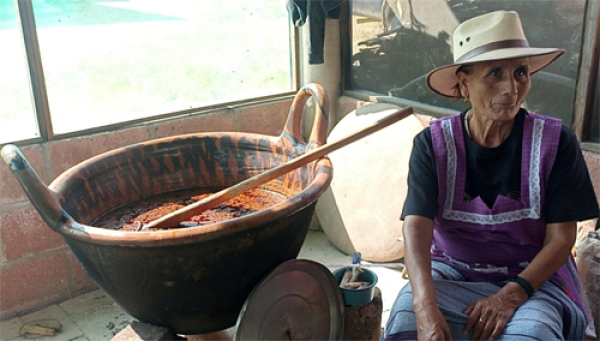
{"type": "Point", "coordinates": [174, 218]}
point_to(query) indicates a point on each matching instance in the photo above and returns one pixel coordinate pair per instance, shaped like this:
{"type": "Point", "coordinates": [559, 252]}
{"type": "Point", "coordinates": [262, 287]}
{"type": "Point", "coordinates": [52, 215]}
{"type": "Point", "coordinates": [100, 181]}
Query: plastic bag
{"type": "Point", "coordinates": [588, 266]}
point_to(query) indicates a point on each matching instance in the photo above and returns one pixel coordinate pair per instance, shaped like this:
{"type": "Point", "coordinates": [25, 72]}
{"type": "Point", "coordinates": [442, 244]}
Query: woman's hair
{"type": "Point", "coordinates": [467, 70]}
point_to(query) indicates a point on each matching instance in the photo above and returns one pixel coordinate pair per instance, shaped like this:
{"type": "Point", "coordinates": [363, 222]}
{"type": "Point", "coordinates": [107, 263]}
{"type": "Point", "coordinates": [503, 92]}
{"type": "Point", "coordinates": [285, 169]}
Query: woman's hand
{"type": "Point", "coordinates": [431, 324]}
{"type": "Point", "coordinates": [488, 316]}
{"type": "Point", "coordinates": [496, 310]}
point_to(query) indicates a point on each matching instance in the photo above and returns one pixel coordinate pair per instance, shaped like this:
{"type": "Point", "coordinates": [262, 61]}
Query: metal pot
{"type": "Point", "coordinates": [191, 280]}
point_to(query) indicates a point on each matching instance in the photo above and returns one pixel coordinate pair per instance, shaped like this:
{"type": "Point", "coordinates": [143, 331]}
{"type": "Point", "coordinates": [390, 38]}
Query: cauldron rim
{"type": "Point", "coordinates": [99, 235]}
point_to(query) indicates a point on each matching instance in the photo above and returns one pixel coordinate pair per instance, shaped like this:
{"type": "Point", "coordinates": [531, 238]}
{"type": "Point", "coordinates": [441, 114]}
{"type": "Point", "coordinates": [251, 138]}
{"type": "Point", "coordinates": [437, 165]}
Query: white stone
{"type": "Point", "coordinates": [361, 210]}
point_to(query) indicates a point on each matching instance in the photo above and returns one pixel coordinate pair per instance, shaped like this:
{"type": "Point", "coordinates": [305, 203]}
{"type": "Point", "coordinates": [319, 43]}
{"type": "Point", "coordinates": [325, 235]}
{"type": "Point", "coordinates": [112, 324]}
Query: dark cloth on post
{"type": "Point", "coordinates": [315, 11]}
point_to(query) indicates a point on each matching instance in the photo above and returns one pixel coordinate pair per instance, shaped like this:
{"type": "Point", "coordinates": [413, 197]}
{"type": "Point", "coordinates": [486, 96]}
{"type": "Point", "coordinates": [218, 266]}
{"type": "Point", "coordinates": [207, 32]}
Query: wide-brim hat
{"type": "Point", "coordinates": [488, 37]}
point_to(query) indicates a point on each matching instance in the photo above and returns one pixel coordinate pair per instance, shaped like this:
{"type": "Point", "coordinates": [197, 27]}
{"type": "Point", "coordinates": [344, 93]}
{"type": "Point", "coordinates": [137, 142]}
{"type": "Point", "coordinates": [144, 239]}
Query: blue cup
{"type": "Point", "coordinates": [359, 296]}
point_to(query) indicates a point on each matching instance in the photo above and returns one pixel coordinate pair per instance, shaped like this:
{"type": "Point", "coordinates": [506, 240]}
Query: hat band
{"type": "Point", "coordinates": [505, 44]}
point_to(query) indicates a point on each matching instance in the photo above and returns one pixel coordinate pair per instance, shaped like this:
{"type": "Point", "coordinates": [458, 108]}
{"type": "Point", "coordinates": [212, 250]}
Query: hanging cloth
{"type": "Point", "coordinates": [315, 12]}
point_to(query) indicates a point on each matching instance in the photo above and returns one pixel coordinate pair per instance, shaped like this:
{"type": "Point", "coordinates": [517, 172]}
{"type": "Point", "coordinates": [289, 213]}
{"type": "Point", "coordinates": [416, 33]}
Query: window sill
{"type": "Point", "coordinates": [591, 147]}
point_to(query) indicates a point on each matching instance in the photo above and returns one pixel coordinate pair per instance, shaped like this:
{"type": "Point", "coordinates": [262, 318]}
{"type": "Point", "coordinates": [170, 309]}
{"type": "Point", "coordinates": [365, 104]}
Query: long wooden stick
{"type": "Point", "coordinates": [174, 218]}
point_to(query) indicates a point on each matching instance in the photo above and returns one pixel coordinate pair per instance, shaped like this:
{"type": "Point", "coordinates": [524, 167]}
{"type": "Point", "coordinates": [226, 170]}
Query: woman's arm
{"type": "Point", "coordinates": [418, 234]}
{"type": "Point", "coordinates": [559, 241]}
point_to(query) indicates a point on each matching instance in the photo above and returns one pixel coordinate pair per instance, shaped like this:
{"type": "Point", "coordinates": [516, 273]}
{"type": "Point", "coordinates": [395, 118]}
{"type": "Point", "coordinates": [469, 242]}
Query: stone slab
{"type": "Point", "coordinates": [95, 313]}
{"type": "Point", "coordinates": [70, 330]}
{"type": "Point", "coordinates": [10, 329]}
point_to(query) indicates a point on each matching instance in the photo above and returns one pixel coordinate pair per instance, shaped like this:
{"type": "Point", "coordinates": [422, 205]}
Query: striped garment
{"type": "Point", "coordinates": [547, 316]}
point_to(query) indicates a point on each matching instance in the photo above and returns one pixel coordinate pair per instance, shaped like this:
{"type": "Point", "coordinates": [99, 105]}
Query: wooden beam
{"type": "Point", "coordinates": [588, 69]}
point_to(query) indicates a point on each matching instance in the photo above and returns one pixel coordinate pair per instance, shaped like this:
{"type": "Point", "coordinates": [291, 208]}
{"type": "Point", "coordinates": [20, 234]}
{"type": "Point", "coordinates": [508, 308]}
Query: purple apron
{"type": "Point", "coordinates": [491, 244]}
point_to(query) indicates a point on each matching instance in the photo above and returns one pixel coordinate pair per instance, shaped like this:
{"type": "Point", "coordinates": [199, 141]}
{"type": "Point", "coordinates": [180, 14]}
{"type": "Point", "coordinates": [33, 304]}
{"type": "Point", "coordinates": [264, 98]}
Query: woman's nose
{"type": "Point", "coordinates": [510, 85]}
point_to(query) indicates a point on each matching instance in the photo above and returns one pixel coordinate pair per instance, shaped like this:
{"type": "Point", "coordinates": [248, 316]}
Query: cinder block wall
{"type": "Point", "coordinates": [37, 268]}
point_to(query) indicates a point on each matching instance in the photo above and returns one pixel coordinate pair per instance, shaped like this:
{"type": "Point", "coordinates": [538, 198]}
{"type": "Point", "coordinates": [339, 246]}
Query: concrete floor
{"type": "Point", "coordinates": [96, 317]}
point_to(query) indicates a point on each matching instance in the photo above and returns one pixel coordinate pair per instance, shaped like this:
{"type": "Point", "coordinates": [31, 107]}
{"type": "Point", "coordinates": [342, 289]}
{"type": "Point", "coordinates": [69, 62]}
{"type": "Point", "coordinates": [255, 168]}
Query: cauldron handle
{"type": "Point", "coordinates": [43, 199]}
{"type": "Point", "coordinates": [320, 124]}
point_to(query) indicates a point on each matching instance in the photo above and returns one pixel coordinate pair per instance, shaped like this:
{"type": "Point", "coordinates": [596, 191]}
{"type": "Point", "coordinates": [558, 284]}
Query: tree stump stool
{"type": "Point", "coordinates": [364, 322]}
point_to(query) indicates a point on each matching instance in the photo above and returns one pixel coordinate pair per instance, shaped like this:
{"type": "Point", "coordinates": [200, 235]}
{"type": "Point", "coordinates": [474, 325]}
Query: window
{"type": "Point", "coordinates": [394, 51]}
{"type": "Point", "coordinates": [106, 62]}
{"type": "Point", "coordinates": [17, 118]}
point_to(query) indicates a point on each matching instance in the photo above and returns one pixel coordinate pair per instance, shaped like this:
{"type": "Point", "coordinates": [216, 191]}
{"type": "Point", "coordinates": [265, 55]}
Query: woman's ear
{"type": "Point", "coordinates": [462, 84]}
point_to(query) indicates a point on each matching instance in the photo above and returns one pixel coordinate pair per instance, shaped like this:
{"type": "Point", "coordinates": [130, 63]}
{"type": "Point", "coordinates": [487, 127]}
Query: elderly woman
{"type": "Point", "coordinates": [494, 196]}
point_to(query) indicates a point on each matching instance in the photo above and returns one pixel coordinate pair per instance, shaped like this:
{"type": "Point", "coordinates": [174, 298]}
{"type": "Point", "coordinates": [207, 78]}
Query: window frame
{"type": "Point", "coordinates": [585, 86]}
{"type": "Point", "coordinates": [39, 96]}
{"type": "Point", "coordinates": [587, 76]}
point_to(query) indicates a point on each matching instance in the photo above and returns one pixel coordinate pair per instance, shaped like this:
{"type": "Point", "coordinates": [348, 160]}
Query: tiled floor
{"type": "Point", "coordinates": [95, 317]}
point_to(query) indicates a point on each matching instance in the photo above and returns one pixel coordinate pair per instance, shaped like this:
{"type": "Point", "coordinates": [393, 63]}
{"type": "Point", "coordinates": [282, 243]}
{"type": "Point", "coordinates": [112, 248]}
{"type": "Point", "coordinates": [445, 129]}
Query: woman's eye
{"type": "Point", "coordinates": [494, 73]}
{"type": "Point", "coordinates": [521, 72]}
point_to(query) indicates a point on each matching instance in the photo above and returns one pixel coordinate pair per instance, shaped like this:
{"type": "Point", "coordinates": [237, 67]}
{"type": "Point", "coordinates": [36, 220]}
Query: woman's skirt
{"type": "Point", "coordinates": [548, 315]}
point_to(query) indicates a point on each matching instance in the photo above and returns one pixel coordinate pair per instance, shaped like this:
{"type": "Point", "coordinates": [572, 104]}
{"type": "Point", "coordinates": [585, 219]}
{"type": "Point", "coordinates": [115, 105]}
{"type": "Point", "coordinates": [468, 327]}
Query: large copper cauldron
{"type": "Point", "coordinates": [192, 280]}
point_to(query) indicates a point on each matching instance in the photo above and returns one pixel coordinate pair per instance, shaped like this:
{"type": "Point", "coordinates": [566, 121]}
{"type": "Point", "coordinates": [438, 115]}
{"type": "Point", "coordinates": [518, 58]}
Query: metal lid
{"type": "Point", "coordinates": [299, 300]}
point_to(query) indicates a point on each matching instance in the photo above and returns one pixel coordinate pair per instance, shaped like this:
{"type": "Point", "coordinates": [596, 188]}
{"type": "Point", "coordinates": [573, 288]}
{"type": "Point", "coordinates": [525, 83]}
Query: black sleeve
{"type": "Point", "coordinates": [570, 194]}
{"type": "Point", "coordinates": [422, 195]}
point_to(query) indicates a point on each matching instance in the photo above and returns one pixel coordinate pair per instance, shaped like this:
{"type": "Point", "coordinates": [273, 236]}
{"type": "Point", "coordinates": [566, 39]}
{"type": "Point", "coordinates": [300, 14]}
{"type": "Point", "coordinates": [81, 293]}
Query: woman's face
{"type": "Point", "coordinates": [496, 89]}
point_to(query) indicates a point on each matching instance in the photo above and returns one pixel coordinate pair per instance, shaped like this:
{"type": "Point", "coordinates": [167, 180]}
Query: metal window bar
{"type": "Point", "coordinates": [37, 83]}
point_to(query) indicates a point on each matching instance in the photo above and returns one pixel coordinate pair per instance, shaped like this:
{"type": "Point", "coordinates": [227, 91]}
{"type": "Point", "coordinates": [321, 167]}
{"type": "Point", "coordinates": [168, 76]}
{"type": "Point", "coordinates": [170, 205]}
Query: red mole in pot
{"type": "Point", "coordinates": [133, 216]}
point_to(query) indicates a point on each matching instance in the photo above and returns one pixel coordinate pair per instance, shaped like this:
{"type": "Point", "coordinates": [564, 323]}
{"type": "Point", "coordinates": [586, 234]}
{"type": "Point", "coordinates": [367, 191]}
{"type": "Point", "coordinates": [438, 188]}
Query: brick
{"type": "Point", "coordinates": [69, 152]}
{"type": "Point", "coordinates": [10, 189]}
{"type": "Point", "coordinates": [24, 232]}
{"type": "Point", "coordinates": [268, 118]}
{"type": "Point", "coordinates": [32, 285]}
{"type": "Point", "coordinates": [2, 251]}
{"type": "Point", "coordinates": [221, 120]}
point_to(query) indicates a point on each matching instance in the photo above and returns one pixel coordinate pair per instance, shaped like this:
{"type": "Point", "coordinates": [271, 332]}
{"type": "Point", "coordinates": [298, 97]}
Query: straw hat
{"type": "Point", "coordinates": [492, 36]}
